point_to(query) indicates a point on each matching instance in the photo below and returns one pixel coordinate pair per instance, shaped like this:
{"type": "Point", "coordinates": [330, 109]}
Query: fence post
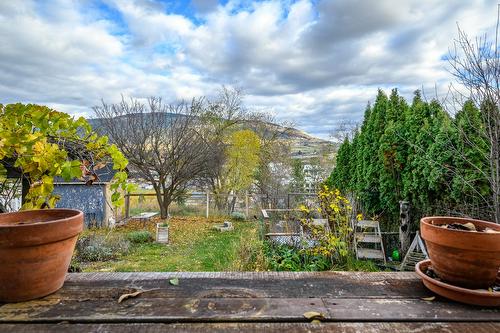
{"type": "Point", "coordinates": [246, 204]}
{"type": "Point", "coordinates": [127, 206]}
{"type": "Point", "coordinates": [208, 204]}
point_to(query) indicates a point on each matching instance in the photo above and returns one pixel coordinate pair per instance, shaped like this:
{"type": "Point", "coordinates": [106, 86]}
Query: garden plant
{"type": "Point", "coordinates": [38, 144]}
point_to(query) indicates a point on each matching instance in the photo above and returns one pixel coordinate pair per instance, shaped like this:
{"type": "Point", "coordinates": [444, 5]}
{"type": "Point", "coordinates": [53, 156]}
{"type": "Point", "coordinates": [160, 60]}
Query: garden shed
{"type": "Point", "coordinates": [93, 200]}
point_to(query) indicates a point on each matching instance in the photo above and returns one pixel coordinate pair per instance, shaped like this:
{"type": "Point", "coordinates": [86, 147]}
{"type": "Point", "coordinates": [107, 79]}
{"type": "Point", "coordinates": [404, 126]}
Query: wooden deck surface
{"type": "Point", "coordinates": [245, 302]}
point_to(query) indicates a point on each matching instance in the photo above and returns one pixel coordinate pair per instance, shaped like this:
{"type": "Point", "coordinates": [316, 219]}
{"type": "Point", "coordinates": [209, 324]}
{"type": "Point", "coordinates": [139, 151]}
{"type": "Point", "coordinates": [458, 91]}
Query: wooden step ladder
{"type": "Point", "coordinates": [416, 252]}
{"type": "Point", "coordinates": [368, 232]}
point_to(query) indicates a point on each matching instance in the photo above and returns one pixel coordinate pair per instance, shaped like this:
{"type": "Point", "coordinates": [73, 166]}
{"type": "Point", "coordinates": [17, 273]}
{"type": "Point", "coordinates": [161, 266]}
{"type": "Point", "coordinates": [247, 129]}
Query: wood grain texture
{"type": "Point", "coordinates": [170, 310]}
{"type": "Point", "coordinates": [262, 301]}
{"type": "Point", "coordinates": [256, 327]}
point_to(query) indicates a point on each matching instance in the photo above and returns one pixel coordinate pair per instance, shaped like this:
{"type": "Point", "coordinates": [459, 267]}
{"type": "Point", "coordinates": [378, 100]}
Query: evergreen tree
{"type": "Point", "coordinates": [416, 153]}
{"type": "Point", "coordinates": [470, 185]}
{"type": "Point", "coordinates": [298, 183]}
{"type": "Point", "coordinates": [340, 177]}
{"type": "Point", "coordinates": [393, 154]}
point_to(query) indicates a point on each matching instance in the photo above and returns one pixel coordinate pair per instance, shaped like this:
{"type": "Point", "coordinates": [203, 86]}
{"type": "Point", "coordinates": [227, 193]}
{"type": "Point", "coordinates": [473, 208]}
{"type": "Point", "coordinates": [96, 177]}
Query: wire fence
{"type": "Point", "coordinates": [281, 226]}
{"type": "Point", "coordinates": [211, 204]}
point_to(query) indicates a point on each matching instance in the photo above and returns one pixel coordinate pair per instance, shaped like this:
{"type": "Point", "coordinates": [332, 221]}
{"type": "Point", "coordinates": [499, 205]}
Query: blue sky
{"type": "Point", "coordinates": [315, 63]}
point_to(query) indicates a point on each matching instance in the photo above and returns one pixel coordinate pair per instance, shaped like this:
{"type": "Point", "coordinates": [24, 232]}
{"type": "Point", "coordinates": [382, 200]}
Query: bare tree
{"type": "Point", "coordinates": [475, 64]}
{"type": "Point", "coordinates": [224, 114]}
{"type": "Point", "coordinates": [167, 145]}
{"type": "Point", "coordinates": [344, 129]}
{"type": "Point", "coordinates": [274, 169]}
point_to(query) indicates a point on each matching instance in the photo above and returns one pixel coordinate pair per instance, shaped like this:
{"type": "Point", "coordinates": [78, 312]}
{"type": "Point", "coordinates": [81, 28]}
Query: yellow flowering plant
{"type": "Point", "coordinates": [334, 240]}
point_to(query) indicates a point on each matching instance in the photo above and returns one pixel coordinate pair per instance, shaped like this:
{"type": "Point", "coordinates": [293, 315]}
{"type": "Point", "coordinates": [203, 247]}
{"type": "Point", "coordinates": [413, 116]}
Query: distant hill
{"type": "Point", "coordinates": [304, 145]}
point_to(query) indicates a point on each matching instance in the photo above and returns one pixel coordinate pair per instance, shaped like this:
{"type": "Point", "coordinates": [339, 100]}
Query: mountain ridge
{"type": "Point", "coordinates": [303, 144]}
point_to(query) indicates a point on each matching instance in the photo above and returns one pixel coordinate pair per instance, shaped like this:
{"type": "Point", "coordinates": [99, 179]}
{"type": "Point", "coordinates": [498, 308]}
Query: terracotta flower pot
{"type": "Point", "coordinates": [35, 251]}
{"type": "Point", "coordinates": [462, 258]}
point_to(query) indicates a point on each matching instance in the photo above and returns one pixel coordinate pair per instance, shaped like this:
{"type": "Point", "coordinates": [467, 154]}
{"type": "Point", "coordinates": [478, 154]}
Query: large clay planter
{"type": "Point", "coordinates": [462, 258]}
{"type": "Point", "coordinates": [35, 251]}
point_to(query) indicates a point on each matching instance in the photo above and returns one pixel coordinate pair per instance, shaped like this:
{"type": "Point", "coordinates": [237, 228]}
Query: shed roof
{"type": "Point", "coordinates": [104, 175]}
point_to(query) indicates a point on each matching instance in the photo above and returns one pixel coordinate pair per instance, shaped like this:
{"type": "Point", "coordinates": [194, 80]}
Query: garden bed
{"type": "Point", "coordinates": [193, 246]}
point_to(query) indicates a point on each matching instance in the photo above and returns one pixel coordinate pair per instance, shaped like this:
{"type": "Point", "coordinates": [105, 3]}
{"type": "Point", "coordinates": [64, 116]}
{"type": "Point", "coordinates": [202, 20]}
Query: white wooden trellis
{"type": "Point", "coordinates": [416, 252]}
{"type": "Point", "coordinates": [363, 237]}
{"type": "Point", "coordinates": [297, 238]}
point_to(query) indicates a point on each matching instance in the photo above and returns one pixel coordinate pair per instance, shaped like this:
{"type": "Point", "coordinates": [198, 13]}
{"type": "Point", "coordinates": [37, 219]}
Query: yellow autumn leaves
{"type": "Point", "coordinates": [336, 240]}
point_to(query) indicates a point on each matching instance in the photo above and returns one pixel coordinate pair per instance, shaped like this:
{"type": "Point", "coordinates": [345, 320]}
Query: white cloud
{"type": "Point", "coordinates": [314, 63]}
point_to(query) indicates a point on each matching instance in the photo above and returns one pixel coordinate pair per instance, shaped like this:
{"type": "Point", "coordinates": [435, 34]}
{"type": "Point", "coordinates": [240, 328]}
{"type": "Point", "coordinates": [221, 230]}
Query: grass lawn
{"type": "Point", "coordinates": [194, 246]}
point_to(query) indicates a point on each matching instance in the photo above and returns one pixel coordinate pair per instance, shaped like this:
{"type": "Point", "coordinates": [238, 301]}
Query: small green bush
{"type": "Point", "coordinates": [99, 247]}
{"type": "Point", "coordinates": [238, 216]}
{"type": "Point", "coordinates": [356, 265]}
{"type": "Point", "coordinates": [139, 237]}
{"type": "Point", "coordinates": [288, 258]}
{"type": "Point", "coordinates": [74, 266]}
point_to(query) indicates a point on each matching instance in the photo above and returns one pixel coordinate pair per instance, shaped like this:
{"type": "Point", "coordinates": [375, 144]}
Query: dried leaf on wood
{"type": "Point", "coordinates": [126, 296]}
{"type": "Point", "coordinates": [314, 315]}
{"type": "Point", "coordinates": [174, 281]}
{"type": "Point", "coordinates": [134, 294]}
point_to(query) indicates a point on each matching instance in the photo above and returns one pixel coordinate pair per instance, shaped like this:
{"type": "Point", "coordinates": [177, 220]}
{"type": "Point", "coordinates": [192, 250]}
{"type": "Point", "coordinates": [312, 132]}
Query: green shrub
{"type": "Point", "coordinates": [238, 216]}
{"type": "Point", "coordinates": [289, 258]}
{"type": "Point", "coordinates": [74, 266]}
{"type": "Point", "coordinates": [357, 265]}
{"type": "Point", "coordinates": [99, 247]}
{"type": "Point", "coordinates": [138, 237]}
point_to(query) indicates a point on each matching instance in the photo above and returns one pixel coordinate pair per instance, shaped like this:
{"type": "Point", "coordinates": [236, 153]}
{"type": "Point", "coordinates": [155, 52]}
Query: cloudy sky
{"type": "Point", "coordinates": [312, 62]}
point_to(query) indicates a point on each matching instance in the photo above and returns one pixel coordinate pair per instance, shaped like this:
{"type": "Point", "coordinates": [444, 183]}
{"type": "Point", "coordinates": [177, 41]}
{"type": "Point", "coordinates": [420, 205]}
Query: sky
{"type": "Point", "coordinates": [315, 63]}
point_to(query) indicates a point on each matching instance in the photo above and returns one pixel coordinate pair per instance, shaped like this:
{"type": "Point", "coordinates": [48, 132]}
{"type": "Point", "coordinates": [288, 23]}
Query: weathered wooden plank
{"type": "Point", "coordinates": [384, 309]}
{"type": "Point", "coordinates": [256, 327]}
{"type": "Point", "coordinates": [367, 224]}
{"type": "Point", "coordinates": [123, 276]}
{"type": "Point", "coordinates": [242, 297]}
{"type": "Point", "coordinates": [263, 285]}
{"type": "Point", "coordinates": [143, 309]}
{"type": "Point", "coordinates": [370, 253]}
{"type": "Point", "coordinates": [162, 310]}
{"type": "Point", "coordinates": [368, 238]}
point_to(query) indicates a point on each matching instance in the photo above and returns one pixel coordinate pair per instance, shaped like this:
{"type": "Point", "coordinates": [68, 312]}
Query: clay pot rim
{"type": "Point", "coordinates": [71, 214]}
{"type": "Point", "coordinates": [494, 226]}
{"type": "Point", "coordinates": [427, 262]}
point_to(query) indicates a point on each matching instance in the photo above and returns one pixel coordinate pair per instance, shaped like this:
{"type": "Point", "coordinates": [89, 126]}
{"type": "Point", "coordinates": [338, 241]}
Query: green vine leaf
{"type": "Point", "coordinates": [41, 143]}
{"type": "Point", "coordinates": [71, 169]}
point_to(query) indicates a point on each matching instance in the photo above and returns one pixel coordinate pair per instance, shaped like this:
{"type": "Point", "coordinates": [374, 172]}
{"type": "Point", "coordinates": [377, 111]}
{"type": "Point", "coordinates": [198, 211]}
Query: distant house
{"type": "Point", "coordinates": [93, 200]}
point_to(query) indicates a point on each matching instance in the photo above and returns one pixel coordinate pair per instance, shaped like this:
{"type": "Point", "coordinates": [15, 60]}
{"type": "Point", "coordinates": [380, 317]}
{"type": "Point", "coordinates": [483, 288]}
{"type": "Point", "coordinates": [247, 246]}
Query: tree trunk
{"type": "Point", "coordinates": [167, 200]}
{"type": "Point", "coordinates": [233, 203]}
{"type": "Point", "coordinates": [404, 228]}
{"type": "Point", "coordinates": [159, 199]}
{"type": "Point", "coordinates": [25, 187]}
{"type": "Point", "coordinates": [219, 202]}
